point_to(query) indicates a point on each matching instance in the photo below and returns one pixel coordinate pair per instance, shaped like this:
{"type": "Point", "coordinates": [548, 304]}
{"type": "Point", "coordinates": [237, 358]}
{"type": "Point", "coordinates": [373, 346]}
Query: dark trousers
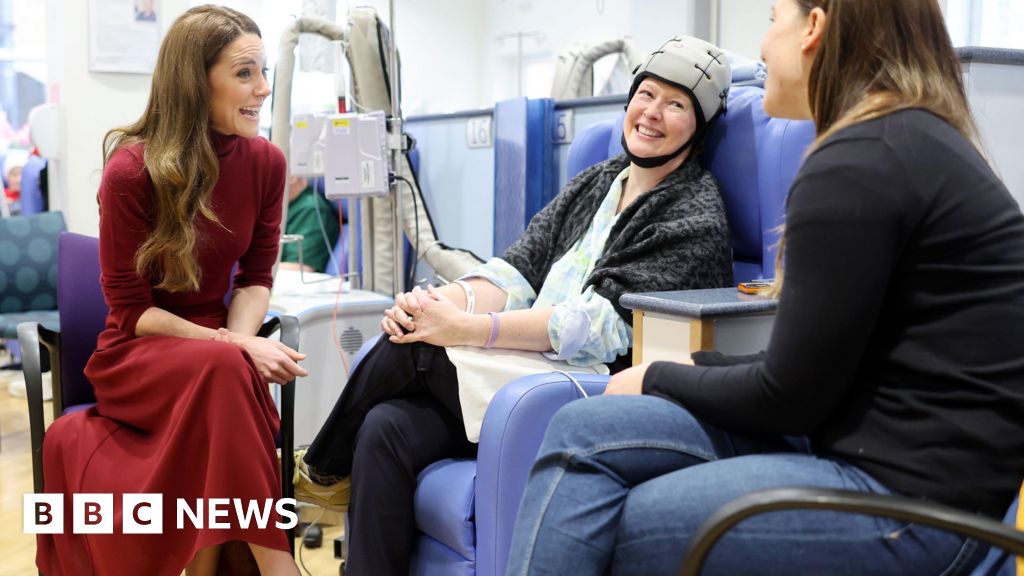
{"type": "Point", "coordinates": [398, 413]}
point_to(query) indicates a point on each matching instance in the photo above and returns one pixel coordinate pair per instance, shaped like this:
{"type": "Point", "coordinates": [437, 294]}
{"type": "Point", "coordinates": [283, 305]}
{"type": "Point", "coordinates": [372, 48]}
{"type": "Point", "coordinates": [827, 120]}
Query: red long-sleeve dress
{"type": "Point", "coordinates": [183, 418]}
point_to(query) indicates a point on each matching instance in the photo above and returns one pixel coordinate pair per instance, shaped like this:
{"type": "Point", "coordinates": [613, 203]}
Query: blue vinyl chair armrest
{"type": "Point", "coordinates": [510, 437]}
{"type": "Point", "coordinates": [896, 507]}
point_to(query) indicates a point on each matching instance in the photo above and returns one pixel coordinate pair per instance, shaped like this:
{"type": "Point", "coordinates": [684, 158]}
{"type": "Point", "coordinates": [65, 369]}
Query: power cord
{"type": "Point", "coordinates": [410, 279]}
{"type": "Point", "coordinates": [323, 230]}
{"type": "Point", "coordinates": [302, 540]}
{"type": "Point", "coordinates": [574, 381]}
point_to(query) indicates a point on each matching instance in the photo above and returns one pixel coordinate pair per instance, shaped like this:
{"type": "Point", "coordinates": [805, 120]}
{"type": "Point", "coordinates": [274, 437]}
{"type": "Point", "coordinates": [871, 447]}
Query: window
{"type": "Point", "coordinates": [23, 79]}
{"type": "Point", "coordinates": [990, 23]}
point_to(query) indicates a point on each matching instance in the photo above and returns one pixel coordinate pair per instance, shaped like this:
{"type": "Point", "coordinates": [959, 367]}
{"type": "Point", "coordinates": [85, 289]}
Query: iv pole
{"type": "Point", "coordinates": [395, 144]}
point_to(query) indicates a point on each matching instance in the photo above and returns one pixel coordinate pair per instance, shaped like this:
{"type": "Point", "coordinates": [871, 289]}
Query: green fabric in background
{"type": "Point", "coordinates": [302, 219]}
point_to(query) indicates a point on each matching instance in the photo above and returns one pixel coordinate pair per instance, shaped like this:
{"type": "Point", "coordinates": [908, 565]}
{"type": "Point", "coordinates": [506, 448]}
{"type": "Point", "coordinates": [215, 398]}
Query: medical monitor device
{"type": "Point", "coordinates": [306, 145]}
{"type": "Point", "coordinates": [356, 155]}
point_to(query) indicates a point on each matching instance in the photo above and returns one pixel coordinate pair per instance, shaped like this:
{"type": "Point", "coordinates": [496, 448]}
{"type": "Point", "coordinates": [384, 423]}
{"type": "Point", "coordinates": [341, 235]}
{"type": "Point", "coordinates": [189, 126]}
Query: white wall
{"type": "Point", "coordinates": [439, 42]}
{"type": "Point", "coordinates": [993, 91]}
{"type": "Point", "coordinates": [453, 59]}
{"type": "Point", "coordinates": [742, 24]}
{"type": "Point", "coordinates": [958, 21]}
{"type": "Point", "coordinates": [91, 103]}
{"type": "Point", "coordinates": [562, 23]}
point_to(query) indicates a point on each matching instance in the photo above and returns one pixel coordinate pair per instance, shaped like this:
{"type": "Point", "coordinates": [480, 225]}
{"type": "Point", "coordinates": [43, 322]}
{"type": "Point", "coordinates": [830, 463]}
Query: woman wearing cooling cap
{"type": "Point", "coordinates": [650, 219]}
{"type": "Point", "coordinates": [896, 349]}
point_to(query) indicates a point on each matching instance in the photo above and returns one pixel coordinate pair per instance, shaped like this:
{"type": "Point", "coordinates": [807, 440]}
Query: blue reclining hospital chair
{"type": "Point", "coordinates": [465, 508]}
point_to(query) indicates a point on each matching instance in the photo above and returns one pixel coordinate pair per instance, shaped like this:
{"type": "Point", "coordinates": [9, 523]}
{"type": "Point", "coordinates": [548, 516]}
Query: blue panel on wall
{"type": "Point", "coordinates": [523, 159]}
{"type": "Point", "coordinates": [540, 183]}
{"type": "Point", "coordinates": [457, 182]}
{"type": "Point", "coordinates": [510, 165]}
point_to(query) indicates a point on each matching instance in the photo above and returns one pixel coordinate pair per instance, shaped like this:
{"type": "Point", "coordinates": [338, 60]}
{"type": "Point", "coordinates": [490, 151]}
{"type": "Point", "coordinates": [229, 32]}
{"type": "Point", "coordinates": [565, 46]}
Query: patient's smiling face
{"type": "Point", "coordinates": [659, 119]}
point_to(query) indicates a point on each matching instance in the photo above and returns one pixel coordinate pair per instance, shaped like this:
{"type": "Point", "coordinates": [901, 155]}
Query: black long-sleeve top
{"type": "Point", "coordinates": [898, 345]}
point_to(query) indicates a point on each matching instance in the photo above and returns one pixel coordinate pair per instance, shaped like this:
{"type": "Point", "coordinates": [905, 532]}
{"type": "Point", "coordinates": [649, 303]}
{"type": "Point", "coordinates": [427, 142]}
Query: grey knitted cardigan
{"type": "Point", "coordinates": [674, 237]}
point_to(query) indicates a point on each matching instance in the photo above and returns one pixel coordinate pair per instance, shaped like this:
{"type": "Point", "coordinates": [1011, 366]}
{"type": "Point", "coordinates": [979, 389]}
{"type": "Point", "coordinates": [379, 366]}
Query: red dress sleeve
{"type": "Point", "coordinates": [255, 267]}
{"type": "Point", "coordinates": [125, 199]}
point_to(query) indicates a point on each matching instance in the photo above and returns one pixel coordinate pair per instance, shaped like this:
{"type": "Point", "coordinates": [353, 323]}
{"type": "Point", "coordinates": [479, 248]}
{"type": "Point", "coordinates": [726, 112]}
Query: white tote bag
{"type": "Point", "coordinates": [482, 372]}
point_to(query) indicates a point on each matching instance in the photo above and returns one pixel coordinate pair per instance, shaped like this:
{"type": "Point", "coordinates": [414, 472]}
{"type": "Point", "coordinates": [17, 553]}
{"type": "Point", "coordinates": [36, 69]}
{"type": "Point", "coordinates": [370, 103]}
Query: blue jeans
{"type": "Point", "coordinates": [621, 483]}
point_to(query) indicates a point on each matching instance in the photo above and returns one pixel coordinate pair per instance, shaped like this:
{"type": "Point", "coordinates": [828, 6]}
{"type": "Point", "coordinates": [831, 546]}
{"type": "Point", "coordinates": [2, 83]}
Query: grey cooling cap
{"type": "Point", "coordinates": [697, 66]}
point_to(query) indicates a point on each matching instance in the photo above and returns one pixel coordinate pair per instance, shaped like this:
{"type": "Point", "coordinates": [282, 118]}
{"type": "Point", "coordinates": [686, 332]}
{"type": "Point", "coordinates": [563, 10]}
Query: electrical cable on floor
{"type": "Point", "coordinates": [302, 539]}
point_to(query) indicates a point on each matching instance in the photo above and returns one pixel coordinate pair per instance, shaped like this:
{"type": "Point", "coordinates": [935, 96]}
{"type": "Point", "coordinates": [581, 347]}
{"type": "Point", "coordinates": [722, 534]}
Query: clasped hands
{"type": "Point", "coordinates": [275, 362]}
{"type": "Point", "coordinates": [426, 316]}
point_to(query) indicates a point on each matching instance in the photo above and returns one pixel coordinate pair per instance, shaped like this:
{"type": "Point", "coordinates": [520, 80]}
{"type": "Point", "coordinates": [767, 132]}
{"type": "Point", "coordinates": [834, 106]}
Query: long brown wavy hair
{"type": "Point", "coordinates": [877, 57]}
{"type": "Point", "coordinates": [179, 155]}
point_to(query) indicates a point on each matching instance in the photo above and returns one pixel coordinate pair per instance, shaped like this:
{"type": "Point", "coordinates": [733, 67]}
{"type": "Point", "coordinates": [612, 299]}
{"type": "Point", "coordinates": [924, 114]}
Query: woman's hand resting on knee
{"type": "Point", "coordinates": [275, 362]}
{"type": "Point", "coordinates": [631, 380]}
{"type": "Point", "coordinates": [428, 316]}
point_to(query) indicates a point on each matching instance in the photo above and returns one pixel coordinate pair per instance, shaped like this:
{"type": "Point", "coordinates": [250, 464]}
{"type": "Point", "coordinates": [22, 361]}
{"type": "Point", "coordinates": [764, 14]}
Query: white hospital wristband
{"type": "Point", "coordinates": [470, 296]}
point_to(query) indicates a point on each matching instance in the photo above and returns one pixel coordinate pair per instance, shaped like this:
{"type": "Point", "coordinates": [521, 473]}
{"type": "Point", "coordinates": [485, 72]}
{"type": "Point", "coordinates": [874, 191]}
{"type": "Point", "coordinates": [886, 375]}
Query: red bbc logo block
{"type": "Point", "coordinates": [143, 514]}
{"type": "Point", "coordinates": [92, 513]}
{"type": "Point", "coordinates": [43, 514]}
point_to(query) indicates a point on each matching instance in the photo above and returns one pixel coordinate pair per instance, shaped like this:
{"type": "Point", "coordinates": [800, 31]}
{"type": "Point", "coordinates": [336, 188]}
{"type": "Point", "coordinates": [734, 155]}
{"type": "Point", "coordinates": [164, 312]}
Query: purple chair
{"type": "Point", "coordinates": [83, 311]}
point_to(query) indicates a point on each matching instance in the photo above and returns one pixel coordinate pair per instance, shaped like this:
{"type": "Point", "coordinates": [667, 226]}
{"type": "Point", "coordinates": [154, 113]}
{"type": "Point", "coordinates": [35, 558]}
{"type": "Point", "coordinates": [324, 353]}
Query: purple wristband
{"type": "Point", "coordinates": [495, 325]}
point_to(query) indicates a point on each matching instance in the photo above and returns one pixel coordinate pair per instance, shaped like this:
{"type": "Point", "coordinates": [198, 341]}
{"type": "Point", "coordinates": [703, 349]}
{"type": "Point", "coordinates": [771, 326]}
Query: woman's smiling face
{"type": "Point", "coordinates": [659, 119]}
{"type": "Point", "coordinates": [238, 87]}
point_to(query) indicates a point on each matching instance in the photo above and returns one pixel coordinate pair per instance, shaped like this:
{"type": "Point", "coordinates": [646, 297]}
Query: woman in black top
{"type": "Point", "coordinates": [896, 349]}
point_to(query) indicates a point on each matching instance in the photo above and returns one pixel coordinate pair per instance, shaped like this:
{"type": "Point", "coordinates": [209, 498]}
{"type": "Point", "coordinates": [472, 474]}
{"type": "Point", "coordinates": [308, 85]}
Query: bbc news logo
{"type": "Point", "coordinates": [144, 514]}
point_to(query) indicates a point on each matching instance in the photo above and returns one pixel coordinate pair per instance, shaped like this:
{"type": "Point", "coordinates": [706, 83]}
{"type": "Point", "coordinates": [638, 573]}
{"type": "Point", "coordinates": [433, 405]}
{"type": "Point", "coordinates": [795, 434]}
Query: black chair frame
{"type": "Point", "coordinates": [897, 507]}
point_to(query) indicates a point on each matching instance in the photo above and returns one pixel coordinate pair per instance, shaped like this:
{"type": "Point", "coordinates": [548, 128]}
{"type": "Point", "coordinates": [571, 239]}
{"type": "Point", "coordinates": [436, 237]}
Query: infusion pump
{"type": "Point", "coordinates": [348, 150]}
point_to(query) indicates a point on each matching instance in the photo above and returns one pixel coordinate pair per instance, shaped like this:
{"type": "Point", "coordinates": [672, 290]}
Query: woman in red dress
{"type": "Point", "coordinates": [183, 407]}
